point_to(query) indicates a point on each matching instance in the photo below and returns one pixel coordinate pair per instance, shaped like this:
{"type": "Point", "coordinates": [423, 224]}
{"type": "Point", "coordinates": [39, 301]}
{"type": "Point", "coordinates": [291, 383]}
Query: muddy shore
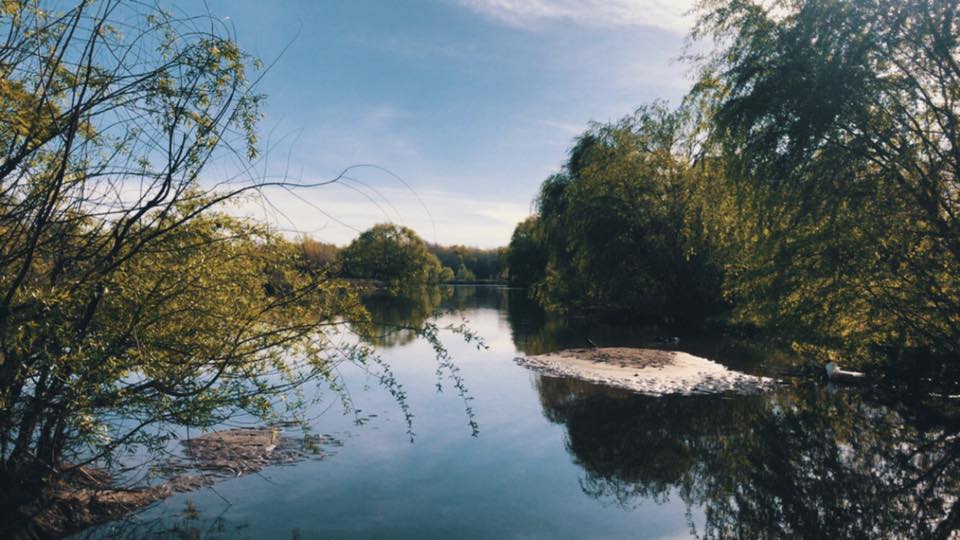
{"type": "Point", "coordinates": [85, 496]}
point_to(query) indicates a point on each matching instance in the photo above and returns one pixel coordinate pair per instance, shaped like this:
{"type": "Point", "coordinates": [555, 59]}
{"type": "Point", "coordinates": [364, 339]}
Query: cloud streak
{"type": "Point", "coordinates": [664, 14]}
{"type": "Point", "coordinates": [336, 213]}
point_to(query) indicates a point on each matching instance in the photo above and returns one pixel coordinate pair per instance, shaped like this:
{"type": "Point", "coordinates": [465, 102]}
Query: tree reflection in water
{"type": "Point", "coordinates": [804, 461]}
{"type": "Point", "coordinates": [801, 462]}
{"type": "Point", "coordinates": [396, 318]}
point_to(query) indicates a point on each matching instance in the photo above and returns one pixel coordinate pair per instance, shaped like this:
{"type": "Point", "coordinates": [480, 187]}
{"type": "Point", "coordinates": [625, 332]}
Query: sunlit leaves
{"type": "Point", "coordinates": [393, 254]}
{"type": "Point", "coordinates": [837, 122]}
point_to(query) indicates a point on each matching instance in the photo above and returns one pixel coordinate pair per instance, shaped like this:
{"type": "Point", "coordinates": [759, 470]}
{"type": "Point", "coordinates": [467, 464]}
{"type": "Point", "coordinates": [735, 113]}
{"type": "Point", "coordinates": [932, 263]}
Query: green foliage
{"type": "Point", "coordinates": [621, 228]}
{"type": "Point", "coordinates": [809, 181]}
{"type": "Point", "coordinates": [472, 263]}
{"type": "Point", "coordinates": [464, 273]}
{"type": "Point", "coordinates": [527, 255]}
{"type": "Point", "coordinates": [838, 123]}
{"type": "Point", "coordinates": [392, 254]}
{"type": "Point", "coordinates": [129, 304]}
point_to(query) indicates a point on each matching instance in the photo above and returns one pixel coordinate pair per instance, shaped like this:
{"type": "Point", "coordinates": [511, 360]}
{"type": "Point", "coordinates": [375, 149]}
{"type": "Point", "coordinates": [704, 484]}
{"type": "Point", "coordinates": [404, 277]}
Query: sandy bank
{"type": "Point", "coordinates": [646, 371]}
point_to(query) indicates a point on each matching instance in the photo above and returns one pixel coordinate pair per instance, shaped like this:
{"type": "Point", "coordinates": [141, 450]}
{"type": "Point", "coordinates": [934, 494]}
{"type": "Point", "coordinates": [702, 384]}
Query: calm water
{"type": "Point", "coordinates": [557, 458]}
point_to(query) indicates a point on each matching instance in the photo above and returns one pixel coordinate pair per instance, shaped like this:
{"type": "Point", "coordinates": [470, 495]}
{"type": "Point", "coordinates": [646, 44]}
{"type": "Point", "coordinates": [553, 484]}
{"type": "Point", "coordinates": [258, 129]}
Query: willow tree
{"type": "Point", "coordinates": [841, 122]}
{"type": "Point", "coordinates": [621, 229]}
{"type": "Point", "coordinates": [526, 257]}
{"type": "Point", "coordinates": [128, 304]}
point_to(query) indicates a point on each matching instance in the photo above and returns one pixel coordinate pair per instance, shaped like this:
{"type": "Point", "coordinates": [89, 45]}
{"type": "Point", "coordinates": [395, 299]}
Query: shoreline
{"type": "Point", "coordinates": [88, 497]}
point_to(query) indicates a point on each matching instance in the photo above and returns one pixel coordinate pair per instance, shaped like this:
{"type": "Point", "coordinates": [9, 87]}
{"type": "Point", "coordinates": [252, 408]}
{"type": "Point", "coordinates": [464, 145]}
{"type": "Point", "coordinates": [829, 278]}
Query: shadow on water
{"type": "Point", "coordinates": [803, 461]}
{"type": "Point", "coordinates": [798, 463]}
{"type": "Point", "coordinates": [536, 331]}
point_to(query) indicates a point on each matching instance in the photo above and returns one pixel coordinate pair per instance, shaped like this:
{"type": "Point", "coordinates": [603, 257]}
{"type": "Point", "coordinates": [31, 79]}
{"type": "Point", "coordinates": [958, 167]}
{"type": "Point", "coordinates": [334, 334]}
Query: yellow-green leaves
{"type": "Point", "coordinates": [122, 293]}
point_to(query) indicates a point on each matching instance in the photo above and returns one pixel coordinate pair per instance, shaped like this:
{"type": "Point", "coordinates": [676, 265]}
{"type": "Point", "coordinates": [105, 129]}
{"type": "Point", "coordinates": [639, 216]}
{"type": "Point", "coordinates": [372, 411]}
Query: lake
{"type": "Point", "coordinates": [558, 458]}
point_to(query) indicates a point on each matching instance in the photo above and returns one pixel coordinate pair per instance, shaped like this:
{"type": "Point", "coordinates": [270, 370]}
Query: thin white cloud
{"type": "Point", "coordinates": [665, 14]}
{"type": "Point", "coordinates": [569, 130]}
{"type": "Point", "coordinates": [337, 214]}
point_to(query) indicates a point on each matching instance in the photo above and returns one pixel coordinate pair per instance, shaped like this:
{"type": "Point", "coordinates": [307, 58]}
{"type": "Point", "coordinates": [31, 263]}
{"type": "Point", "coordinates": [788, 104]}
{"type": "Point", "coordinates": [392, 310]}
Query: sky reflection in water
{"type": "Point", "coordinates": [559, 458]}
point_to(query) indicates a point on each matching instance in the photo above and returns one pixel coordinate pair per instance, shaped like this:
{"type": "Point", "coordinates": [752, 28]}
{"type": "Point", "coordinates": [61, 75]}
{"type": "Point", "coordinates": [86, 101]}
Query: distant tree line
{"type": "Point", "coordinates": [398, 257]}
{"type": "Point", "coordinates": [473, 264]}
{"type": "Point", "coordinates": [807, 185]}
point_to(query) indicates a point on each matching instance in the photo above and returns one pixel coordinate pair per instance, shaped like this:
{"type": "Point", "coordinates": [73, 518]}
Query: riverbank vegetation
{"type": "Point", "coordinates": [473, 265]}
{"type": "Point", "coordinates": [807, 186]}
{"type": "Point", "coordinates": [622, 228]}
{"type": "Point", "coordinates": [399, 258]}
{"type": "Point", "coordinates": [128, 304]}
{"type": "Point", "coordinates": [131, 304]}
{"type": "Point", "coordinates": [393, 254]}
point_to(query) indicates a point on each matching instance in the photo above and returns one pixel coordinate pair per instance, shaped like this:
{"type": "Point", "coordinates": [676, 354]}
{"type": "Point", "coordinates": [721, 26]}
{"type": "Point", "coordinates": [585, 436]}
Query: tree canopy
{"type": "Point", "coordinates": [807, 185]}
{"type": "Point", "coordinates": [470, 263]}
{"type": "Point", "coordinates": [129, 302]}
{"type": "Point", "coordinates": [838, 123]}
{"type": "Point", "coordinates": [393, 254]}
{"type": "Point", "coordinates": [621, 229]}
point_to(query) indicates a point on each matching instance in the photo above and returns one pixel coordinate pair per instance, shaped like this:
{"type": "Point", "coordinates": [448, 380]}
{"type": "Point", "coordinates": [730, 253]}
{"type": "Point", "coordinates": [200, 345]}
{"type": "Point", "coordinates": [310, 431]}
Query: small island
{"type": "Point", "coordinates": [646, 371]}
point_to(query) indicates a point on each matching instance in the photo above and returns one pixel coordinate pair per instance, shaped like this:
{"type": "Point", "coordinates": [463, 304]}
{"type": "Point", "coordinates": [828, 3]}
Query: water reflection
{"type": "Point", "coordinates": [535, 331]}
{"type": "Point", "coordinates": [395, 318]}
{"type": "Point", "coordinates": [802, 462]}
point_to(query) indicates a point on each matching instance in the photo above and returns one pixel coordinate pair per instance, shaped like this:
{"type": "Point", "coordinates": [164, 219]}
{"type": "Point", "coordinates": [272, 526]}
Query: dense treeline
{"type": "Point", "coordinates": [397, 256]}
{"type": "Point", "coordinates": [392, 254]}
{"type": "Point", "coordinates": [470, 263]}
{"type": "Point", "coordinates": [621, 227]}
{"type": "Point", "coordinates": [807, 185]}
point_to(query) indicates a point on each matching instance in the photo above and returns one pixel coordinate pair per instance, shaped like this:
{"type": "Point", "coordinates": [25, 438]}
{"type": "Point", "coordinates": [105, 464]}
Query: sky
{"type": "Point", "coordinates": [466, 105]}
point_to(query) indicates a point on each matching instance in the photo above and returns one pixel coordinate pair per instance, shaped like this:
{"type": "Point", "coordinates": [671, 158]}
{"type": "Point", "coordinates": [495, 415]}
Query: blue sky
{"type": "Point", "coordinates": [472, 102]}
